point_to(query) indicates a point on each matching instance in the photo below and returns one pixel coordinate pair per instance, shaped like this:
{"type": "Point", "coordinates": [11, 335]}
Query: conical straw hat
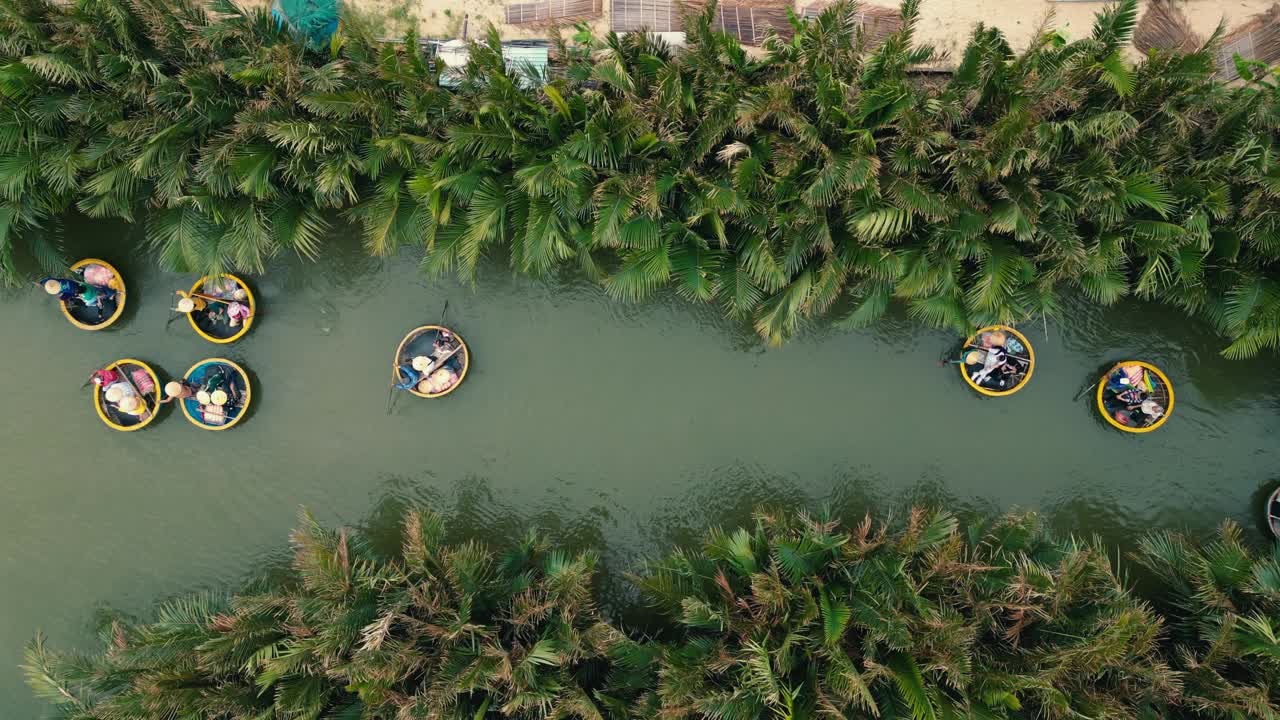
{"type": "Point", "coordinates": [202, 397]}
{"type": "Point", "coordinates": [218, 397]}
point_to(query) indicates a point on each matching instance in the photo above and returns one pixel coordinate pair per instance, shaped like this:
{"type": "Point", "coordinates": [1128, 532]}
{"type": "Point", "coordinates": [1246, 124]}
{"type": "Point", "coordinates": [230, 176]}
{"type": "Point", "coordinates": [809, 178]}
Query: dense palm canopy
{"type": "Point", "coordinates": [820, 175]}
{"type": "Point", "coordinates": [793, 618]}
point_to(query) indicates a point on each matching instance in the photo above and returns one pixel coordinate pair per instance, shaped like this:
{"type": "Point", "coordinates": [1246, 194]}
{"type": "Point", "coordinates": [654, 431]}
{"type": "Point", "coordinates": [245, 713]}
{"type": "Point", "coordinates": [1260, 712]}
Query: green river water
{"type": "Point", "coordinates": [623, 427]}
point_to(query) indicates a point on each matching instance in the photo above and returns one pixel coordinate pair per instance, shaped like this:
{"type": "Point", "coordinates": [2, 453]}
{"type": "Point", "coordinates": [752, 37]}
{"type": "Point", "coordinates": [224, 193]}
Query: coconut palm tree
{"type": "Point", "coordinates": [438, 630]}
{"type": "Point", "coordinates": [821, 175]}
{"type": "Point", "coordinates": [799, 617]}
{"type": "Point", "coordinates": [1222, 601]}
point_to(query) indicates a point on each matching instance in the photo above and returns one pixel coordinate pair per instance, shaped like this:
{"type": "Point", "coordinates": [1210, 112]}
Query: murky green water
{"type": "Point", "coordinates": [618, 426]}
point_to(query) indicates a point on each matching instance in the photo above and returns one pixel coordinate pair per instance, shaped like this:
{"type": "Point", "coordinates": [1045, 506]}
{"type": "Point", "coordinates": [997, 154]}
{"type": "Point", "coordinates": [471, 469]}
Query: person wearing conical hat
{"type": "Point", "coordinates": [114, 393]}
{"type": "Point", "coordinates": [177, 390]}
{"type": "Point", "coordinates": [65, 289]}
{"type": "Point", "coordinates": [410, 376]}
{"type": "Point", "coordinates": [124, 398]}
{"type": "Point", "coordinates": [188, 304]}
{"type": "Point", "coordinates": [132, 405]}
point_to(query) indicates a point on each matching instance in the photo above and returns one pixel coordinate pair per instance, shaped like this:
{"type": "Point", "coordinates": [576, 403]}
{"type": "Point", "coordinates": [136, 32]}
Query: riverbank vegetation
{"type": "Point", "coordinates": [821, 177]}
{"type": "Point", "coordinates": [793, 617]}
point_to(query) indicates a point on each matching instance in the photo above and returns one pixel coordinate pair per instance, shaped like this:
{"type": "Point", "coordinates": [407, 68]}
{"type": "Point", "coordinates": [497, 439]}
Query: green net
{"type": "Point", "coordinates": [314, 20]}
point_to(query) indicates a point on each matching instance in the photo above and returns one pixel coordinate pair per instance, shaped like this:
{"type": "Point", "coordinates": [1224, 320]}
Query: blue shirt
{"type": "Point", "coordinates": [414, 377]}
{"type": "Point", "coordinates": [67, 288]}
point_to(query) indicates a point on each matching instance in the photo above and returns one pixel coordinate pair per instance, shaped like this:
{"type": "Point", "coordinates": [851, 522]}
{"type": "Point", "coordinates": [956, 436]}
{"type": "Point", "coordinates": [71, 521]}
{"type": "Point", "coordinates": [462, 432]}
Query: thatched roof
{"type": "Point", "coordinates": [877, 22]}
{"type": "Point", "coordinates": [552, 12]}
{"type": "Point", "coordinates": [750, 22]}
{"type": "Point", "coordinates": [1258, 39]}
{"type": "Point", "coordinates": [1164, 27]}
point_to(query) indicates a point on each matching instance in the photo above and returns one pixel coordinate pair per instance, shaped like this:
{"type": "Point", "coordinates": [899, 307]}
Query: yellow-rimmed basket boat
{"type": "Point", "coordinates": [421, 341]}
{"type": "Point", "coordinates": [213, 374]}
{"type": "Point", "coordinates": [1020, 361]}
{"type": "Point", "coordinates": [86, 318]}
{"type": "Point", "coordinates": [220, 331]}
{"type": "Point", "coordinates": [1153, 386]}
{"type": "Point", "coordinates": [117, 419]}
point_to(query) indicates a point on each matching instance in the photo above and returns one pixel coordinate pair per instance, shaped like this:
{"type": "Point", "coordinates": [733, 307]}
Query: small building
{"type": "Point", "coordinates": [518, 54]}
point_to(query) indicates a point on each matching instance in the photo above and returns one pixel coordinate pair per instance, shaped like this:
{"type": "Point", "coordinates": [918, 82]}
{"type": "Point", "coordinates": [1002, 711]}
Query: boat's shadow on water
{"type": "Point", "coordinates": [258, 393]}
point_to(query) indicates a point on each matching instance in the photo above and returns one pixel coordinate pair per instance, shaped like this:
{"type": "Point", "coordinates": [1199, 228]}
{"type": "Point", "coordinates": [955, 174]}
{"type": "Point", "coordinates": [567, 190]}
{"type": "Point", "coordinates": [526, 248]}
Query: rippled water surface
{"type": "Point", "coordinates": [622, 427]}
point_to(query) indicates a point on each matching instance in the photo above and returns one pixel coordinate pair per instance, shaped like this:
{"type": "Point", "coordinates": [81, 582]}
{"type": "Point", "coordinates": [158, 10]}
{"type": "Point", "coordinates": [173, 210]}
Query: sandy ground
{"type": "Point", "coordinates": [946, 24]}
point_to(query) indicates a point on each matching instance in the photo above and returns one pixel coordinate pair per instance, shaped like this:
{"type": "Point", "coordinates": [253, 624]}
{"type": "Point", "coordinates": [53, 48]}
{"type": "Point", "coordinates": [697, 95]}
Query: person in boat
{"type": "Point", "coordinates": [441, 380]}
{"type": "Point", "coordinates": [1152, 410]}
{"type": "Point", "coordinates": [111, 376]}
{"type": "Point", "coordinates": [73, 292]}
{"type": "Point", "coordinates": [222, 288]}
{"type": "Point", "coordinates": [219, 389]}
{"type": "Point", "coordinates": [1132, 396]}
{"type": "Point", "coordinates": [102, 378]}
{"type": "Point", "coordinates": [87, 293]}
{"type": "Point", "coordinates": [178, 390]}
{"type": "Point", "coordinates": [414, 373]}
{"type": "Point", "coordinates": [95, 274]}
{"type": "Point", "coordinates": [188, 304]}
{"type": "Point", "coordinates": [237, 313]}
{"type": "Point", "coordinates": [66, 290]}
{"type": "Point", "coordinates": [122, 396]}
{"type": "Point", "coordinates": [445, 344]}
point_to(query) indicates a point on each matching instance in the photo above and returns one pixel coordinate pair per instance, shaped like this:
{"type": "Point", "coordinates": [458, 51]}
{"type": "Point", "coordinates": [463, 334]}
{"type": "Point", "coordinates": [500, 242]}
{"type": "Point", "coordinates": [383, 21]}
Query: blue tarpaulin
{"type": "Point", "coordinates": [314, 20]}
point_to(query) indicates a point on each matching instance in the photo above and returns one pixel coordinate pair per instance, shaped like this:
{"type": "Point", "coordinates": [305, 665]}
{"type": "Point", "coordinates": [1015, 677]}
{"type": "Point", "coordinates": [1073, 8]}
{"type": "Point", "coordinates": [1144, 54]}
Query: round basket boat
{"type": "Point", "coordinates": [114, 417]}
{"type": "Point", "coordinates": [212, 374]}
{"type": "Point", "coordinates": [217, 295]}
{"type": "Point", "coordinates": [1016, 361]}
{"type": "Point", "coordinates": [1272, 511]}
{"type": "Point", "coordinates": [1151, 385]}
{"type": "Point", "coordinates": [421, 342]}
{"type": "Point", "coordinates": [90, 318]}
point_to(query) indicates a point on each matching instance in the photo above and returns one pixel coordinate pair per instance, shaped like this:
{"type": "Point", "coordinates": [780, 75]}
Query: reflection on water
{"type": "Point", "coordinates": [621, 428]}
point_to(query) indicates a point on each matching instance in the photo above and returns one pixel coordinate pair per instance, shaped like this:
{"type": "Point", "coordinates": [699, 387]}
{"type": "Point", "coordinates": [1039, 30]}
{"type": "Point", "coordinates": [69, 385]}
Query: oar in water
{"type": "Point", "coordinates": [1082, 392]}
